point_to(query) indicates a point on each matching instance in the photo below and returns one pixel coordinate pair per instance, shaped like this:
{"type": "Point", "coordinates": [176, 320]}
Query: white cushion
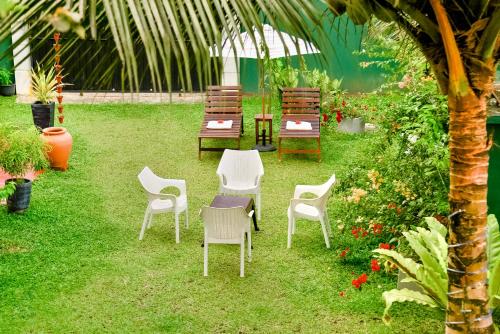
{"type": "Point", "coordinates": [301, 126]}
{"type": "Point", "coordinates": [216, 125]}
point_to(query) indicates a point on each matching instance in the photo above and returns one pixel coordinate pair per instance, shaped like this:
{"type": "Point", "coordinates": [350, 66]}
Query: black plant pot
{"type": "Point", "coordinates": [19, 201]}
{"type": "Point", "coordinates": [7, 90]}
{"type": "Point", "coordinates": [43, 114]}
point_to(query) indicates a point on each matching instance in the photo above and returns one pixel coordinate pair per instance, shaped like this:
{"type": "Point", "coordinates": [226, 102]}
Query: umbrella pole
{"type": "Point", "coordinates": [264, 147]}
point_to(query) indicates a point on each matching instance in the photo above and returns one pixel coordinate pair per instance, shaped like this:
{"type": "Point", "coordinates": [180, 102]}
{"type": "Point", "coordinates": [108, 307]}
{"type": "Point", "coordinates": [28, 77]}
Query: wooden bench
{"type": "Point", "coordinates": [222, 103]}
{"type": "Point", "coordinates": [300, 104]}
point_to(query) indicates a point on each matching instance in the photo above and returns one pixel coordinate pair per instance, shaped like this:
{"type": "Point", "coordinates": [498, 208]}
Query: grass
{"type": "Point", "coordinates": [73, 262]}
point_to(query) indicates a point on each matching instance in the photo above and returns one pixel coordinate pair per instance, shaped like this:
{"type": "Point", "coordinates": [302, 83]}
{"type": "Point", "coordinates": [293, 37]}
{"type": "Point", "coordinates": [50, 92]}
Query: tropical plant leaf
{"type": "Point", "coordinates": [494, 261]}
{"type": "Point", "coordinates": [493, 241]}
{"type": "Point", "coordinates": [404, 295]}
{"type": "Point", "coordinates": [435, 225]}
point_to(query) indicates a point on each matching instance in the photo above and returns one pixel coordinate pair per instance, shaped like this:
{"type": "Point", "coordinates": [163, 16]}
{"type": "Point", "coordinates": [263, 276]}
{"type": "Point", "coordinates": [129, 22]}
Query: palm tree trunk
{"type": "Point", "coordinates": [467, 310]}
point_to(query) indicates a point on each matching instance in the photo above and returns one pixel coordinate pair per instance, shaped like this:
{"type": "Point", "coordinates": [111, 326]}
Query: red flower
{"type": "Point", "coordinates": [375, 266]}
{"type": "Point", "coordinates": [365, 233]}
{"type": "Point", "coordinates": [377, 228]}
{"type": "Point", "coordinates": [344, 103]}
{"type": "Point", "coordinates": [391, 205]}
{"type": "Point", "coordinates": [356, 283]}
{"type": "Point", "coordinates": [355, 230]}
{"type": "Point", "coordinates": [363, 278]}
{"type": "Point", "coordinates": [325, 117]}
{"type": "Point", "coordinates": [342, 294]}
{"type": "Point", "coordinates": [339, 116]}
{"type": "Point", "coordinates": [344, 252]}
{"type": "Point", "coordinates": [384, 246]}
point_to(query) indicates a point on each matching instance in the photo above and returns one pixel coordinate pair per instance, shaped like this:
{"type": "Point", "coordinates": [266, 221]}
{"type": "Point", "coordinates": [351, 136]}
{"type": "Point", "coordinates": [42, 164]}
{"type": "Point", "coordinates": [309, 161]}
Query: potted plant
{"type": "Point", "coordinates": [44, 86]}
{"type": "Point", "coordinates": [7, 88]}
{"type": "Point", "coordinates": [20, 151]}
{"type": "Point", "coordinates": [349, 118]}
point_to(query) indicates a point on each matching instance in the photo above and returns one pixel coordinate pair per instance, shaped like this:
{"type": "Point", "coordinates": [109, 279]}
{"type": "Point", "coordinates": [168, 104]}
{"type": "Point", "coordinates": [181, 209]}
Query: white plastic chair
{"type": "Point", "coordinates": [240, 173]}
{"type": "Point", "coordinates": [311, 209]}
{"type": "Point", "coordinates": [159, 202]}
{"type": "Point", "coordinates": [227, 226]}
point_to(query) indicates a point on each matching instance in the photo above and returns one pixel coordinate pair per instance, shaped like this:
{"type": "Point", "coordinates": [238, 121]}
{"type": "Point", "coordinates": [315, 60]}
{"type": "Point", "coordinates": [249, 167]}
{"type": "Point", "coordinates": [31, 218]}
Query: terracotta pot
{"type": "Point", "coordinates": [61, 119]}
{"type": "Point", "coordinates": [59, 89]}
{"type": "Point", "coordinates": [57, 59]}
{"type": "Point", "coordinates": [61, 143]}
{"type": "Point", "coordinates": [60, 108]}
{"type": "Point", "coordinates": [59, 99]}
{"type": "Point", "coordinates": [57, 36]}
{"type": "Point", "coordinates": [57, 47]}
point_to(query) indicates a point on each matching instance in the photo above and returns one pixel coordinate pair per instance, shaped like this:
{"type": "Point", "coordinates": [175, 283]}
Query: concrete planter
{"type": "Point", "coordinates": [352, 125]}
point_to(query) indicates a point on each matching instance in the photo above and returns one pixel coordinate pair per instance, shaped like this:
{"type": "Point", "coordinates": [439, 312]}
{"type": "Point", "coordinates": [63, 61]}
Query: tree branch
{"type": "Point", "coordinates": [425, 23]}
{"type": "Point", "coordinates": [490, 35]}
{"type": "Point", "coordinates": [458, 83]}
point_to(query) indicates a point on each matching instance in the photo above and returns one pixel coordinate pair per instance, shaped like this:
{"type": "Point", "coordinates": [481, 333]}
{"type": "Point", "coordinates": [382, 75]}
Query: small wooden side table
{"type": "Point", "coordinates": [259, 119]}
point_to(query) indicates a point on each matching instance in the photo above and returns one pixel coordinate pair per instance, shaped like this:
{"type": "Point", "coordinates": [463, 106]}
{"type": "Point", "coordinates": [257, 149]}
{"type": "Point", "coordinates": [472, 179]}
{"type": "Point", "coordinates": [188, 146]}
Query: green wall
{"type": "Point", "coordinates": [6, 55]}
{"type": "Point", "coordinates": [339, 60]}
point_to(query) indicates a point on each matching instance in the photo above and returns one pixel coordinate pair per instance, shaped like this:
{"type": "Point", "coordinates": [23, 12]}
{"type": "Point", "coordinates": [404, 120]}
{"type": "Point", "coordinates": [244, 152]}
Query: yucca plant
{"type": "Point", "coordinates": [430, 274]}
{"type": "Point", "coordinates": [44, 85]}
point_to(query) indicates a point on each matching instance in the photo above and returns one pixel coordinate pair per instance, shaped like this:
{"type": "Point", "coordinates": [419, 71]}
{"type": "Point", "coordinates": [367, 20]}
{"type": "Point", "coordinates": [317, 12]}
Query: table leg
{"type": "Point", "coordinates": [254, 219]}
{"type": "Point", "coordinates": [271, 130]}
{"type": "Point", "coordinates": [256, 131]}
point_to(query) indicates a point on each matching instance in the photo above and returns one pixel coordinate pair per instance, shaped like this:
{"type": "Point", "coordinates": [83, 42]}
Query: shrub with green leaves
{"type": "Point", "coordinates": [21, 149]}
{"type": "Point", "coordinates": [409, 154]}
{"type": "Point", "coordinates": [5, 77]}
{"type": "Point", "coordinates": [430, 272]}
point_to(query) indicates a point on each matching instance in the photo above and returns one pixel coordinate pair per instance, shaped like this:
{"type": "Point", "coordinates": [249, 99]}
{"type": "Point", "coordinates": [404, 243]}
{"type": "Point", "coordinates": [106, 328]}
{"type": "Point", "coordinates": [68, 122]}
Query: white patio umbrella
{"type": "Point", "coordinates": [277, 45]}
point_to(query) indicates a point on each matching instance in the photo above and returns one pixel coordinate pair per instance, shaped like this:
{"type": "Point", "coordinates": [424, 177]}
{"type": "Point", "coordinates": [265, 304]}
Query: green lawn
{"type": "Point", "coordinates": [73, 262]}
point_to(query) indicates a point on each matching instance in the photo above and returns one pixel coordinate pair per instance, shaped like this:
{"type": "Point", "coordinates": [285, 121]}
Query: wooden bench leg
{"type": "Point", "coordinates": [279, 149]}
{"type": "Point", "coordinates": [319, 149]}
{"type": "Point", "coordinates": [199, 148]}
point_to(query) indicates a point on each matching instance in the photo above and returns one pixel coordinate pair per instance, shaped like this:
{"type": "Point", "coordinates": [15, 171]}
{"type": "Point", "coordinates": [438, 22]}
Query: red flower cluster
{"type": "Point", "coordinates": [360, 281]}
{"type": "Point", "coordinates": [344, 252]}
{"type": "Point", "coordinates": [375, 265]}
{"type": "Point", "coordinates": [325, 117]}
{"type": "Point", "coordinates": [384, 246]}
{"type": "Point", "coordinates": [339, 116]}
{"type": "Point", "coordinates": [377, 228]}
{"type": "Point", "coordinates": [356, 231]}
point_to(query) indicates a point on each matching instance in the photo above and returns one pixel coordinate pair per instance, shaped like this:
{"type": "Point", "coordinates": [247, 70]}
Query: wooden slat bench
{"type": "Point", "coordinates": [300, 104]}
{"type": "Point", "coordinates": [222, 103]}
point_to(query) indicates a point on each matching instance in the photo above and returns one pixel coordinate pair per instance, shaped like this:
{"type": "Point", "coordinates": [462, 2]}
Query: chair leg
{"type": "Point", "coordinates": [242, 257]}
{"type": "Point", "coordinates": [249, 241]}
{"type": "Point", "coordinates": [150, 221]}
{"type": "Point", "coordinates": [294, 224]}
{"type": "Point", "coordinates": [325, 233]}
{"type": "Point", "coordinates": [177, 237]}
{"type": "Point", "coordinates": [290, 226]}
{"type": "Point", "coordinates": [187, 217]}
{"type": "Point", "coordinates": [205, 258]}
{"type": "Point", "coordinates": [327, 223]}
{"type": "Point", "coordinates": [144, 223]}
{"type": "Point", "coordinates": [259, 209]}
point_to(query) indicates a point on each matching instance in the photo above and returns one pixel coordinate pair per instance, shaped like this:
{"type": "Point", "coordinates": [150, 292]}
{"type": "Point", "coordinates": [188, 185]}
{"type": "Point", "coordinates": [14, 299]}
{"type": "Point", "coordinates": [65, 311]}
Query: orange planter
{"type": "Point", "coordinates": [61, 143]}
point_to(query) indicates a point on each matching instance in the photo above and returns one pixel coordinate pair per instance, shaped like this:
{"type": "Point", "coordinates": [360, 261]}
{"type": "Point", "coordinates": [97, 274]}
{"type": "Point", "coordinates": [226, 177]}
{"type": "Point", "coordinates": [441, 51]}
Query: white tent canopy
{"type": "Point", "coordinates": [276, 44]}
